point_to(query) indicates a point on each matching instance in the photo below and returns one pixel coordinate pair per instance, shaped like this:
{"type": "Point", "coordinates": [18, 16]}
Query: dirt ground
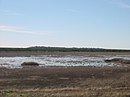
{"type": "Point", "coordinates": [64, 81]}
{"type": "Point", "coordinates": [29, 53]}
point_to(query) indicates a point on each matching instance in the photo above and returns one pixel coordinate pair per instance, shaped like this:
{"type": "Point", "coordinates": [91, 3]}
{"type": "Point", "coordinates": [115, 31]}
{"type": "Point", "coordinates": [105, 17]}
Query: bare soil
{"type": "Point", "coordinates": [29, 53]}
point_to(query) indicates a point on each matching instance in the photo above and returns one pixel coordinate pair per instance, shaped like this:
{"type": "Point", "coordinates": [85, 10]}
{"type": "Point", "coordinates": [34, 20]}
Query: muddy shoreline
{"type": "Point", "coordinates": [29, 53]}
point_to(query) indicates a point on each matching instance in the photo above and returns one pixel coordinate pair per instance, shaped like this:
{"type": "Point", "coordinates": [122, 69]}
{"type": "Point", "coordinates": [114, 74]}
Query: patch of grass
{"type": "Point", "coordinates": [69, 92]}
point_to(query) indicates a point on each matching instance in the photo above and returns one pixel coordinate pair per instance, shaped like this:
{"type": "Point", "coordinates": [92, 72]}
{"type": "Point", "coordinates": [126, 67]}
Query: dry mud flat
{"type": "Point", "coordinates": [65, 82]}
{"type": "Point", "coordinates": [57, 81]}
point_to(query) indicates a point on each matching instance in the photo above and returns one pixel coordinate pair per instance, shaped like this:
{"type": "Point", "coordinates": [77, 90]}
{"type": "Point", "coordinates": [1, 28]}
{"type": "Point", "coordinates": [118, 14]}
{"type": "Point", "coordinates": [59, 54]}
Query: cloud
{"type": "Point", "coordinates": [7, 28]}
{"type": "Point", "coordinates": [10, 13]}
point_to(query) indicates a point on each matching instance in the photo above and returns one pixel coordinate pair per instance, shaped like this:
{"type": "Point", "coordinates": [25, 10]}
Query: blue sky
{"type": "Point", "coordinates": [68, 23]}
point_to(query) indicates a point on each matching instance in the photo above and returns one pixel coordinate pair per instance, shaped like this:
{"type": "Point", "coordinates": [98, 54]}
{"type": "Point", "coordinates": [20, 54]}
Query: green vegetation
{"type": "Point", "coordinates": [62, 49]}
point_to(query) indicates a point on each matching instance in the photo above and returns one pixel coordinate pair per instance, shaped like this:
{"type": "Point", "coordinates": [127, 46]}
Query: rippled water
{"type": "Point", "coordinates": [55, 60]}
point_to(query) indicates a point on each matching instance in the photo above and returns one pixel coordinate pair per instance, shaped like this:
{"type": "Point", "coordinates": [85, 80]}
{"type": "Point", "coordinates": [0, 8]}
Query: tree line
{"type": "Point", "coordinates": [63, 49]}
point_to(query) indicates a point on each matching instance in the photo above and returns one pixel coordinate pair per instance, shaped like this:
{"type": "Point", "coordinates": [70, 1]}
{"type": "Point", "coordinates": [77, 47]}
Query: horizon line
{"type": "Point", "coordinates": [65, 47]}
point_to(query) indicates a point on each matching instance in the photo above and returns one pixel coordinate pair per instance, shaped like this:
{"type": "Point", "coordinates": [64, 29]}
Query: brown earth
{"type": "Point", "coordinates": [60, 80]}
{"type": "Point", "coordinates": [29, 53]}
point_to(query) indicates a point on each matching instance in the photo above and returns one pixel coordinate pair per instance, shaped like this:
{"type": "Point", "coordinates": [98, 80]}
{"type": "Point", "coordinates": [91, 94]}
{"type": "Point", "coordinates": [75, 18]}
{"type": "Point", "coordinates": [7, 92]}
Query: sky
{"type": "Point", "coordinates": [65, 23]}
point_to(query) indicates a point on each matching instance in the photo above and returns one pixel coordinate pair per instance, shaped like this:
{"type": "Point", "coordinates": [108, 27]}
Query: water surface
{"type": "Point", "coordinates": [56, 60]}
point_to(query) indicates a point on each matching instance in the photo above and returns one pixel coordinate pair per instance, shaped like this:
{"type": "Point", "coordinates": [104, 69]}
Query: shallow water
{"type": "Point", "coordinates": [55, 60]}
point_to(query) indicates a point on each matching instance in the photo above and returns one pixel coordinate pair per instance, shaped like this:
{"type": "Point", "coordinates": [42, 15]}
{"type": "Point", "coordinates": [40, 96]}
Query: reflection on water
{"type": "Point", "coordinates": [55, 60]}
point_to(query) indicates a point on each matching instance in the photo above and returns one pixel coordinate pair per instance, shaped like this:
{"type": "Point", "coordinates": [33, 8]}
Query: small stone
{"type": "Point", "coordinates": [29, 64]}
